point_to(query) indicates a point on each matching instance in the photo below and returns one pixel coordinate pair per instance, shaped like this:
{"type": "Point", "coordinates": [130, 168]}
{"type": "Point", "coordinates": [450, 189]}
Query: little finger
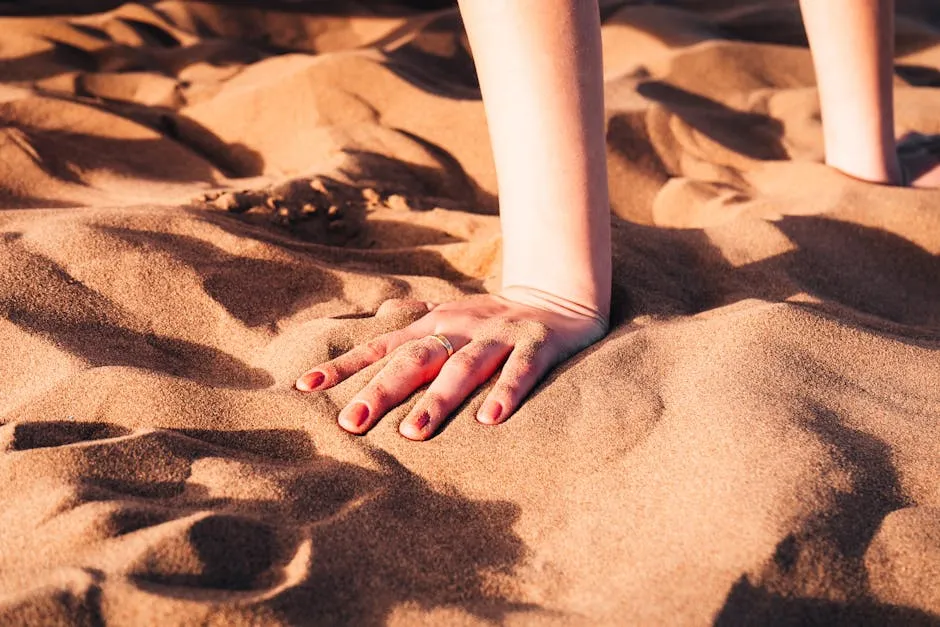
{"type": "Point", "coordinates": [524, 368]}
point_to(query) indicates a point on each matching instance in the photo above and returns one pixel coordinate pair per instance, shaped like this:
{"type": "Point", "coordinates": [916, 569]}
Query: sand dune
{"type": "Point", "coordinates": [202, 200]}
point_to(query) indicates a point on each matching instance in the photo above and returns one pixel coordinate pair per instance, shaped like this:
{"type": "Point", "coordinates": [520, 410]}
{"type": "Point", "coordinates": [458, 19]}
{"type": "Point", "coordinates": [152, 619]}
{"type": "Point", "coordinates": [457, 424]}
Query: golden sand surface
{"type": "Point", "coordinates": [202, 200]}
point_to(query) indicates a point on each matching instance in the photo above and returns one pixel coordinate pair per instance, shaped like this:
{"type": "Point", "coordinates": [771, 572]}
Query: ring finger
{"type": "Point", "coordinates": [412, 365]}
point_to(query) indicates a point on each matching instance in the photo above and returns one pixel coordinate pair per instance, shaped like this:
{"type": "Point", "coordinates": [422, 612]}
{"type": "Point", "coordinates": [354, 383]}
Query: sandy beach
{"type": "Point", "coordinates": [200, 201]}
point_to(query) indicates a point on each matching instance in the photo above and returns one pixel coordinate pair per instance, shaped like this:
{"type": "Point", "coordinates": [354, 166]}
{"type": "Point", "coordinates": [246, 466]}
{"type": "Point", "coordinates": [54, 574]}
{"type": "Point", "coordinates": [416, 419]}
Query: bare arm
{"type": "Point", "coordinates": [539, 64]}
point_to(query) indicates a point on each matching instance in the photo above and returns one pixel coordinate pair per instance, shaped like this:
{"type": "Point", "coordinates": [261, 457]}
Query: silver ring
{"type": "Point", "coordinates": [445, 342]}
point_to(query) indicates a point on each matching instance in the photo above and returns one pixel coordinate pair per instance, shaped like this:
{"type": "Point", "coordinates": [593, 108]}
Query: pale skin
{"type": "Point", "coordinates": [539, 66]}
{"type": "Point", "coordinates": [853, 51]}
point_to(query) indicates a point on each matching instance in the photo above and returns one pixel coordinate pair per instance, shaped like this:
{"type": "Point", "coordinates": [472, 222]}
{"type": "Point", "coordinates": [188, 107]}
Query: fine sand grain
{"type": "Point", "coordinates": [202, 200]}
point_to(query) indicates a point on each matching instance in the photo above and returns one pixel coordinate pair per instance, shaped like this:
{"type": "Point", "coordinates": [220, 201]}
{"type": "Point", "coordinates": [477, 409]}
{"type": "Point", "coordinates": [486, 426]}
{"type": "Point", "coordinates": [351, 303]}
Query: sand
{"type": "Point", "coordinates": [201, 201]}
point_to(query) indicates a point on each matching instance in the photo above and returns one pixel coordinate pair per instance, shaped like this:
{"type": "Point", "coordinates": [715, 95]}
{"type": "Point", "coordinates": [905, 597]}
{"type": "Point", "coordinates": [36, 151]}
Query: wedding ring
{"type": "Point", "coordinates": [445, 342]}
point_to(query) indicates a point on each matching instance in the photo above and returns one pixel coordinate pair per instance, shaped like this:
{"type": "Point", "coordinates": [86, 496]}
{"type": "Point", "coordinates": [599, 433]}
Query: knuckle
{"type": "Point", "coordinates": [374, 349]}
{"type": "Point", "coordinates": [417, 354]}
{"type": "Point", "coordinates": [477, 319]}
{"type": "Point", "coordinates": [537, 332]}
{"type": "Point", "coordinates": [378, 394]}
{"type": "Point", "coordinates": [504, 391]}
{"type": "Point", "coordinates": [534, 332]}
{"type": "Point", "coordinates": [530, 346]}
{"type": "Point", "coordinates": [494, 323]}
{"type": "Point", "coordinates": [462, 364]}
{"type": "Point", "coordinates": [499, 328]}
{"type": "Point", "coordinates": [433, 401]}
{"type": "Point", "coordinates": [524, 370]}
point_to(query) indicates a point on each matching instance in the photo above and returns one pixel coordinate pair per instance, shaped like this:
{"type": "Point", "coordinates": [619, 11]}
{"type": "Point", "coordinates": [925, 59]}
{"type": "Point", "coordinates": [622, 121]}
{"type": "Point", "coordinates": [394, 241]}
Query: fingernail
{"type": "Point", "coordinates": [490, 412]}
{"type": "Point", "coordinates": [310, 381]}
{"type": "Point", "coordinates": [357, 414]}
{"type": "Point", "coordinates": [422, 420]}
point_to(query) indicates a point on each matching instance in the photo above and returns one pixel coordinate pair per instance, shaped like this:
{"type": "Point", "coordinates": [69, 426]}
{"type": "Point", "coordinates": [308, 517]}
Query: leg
{"type": "Point", "coordinates": [853, 53]}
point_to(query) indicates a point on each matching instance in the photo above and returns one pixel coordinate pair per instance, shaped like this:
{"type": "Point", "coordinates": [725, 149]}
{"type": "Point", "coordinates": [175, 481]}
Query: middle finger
{"type": "Point", "coordinates": [467, 370]}
{"type": "Point", "coordinates": [412, 365]}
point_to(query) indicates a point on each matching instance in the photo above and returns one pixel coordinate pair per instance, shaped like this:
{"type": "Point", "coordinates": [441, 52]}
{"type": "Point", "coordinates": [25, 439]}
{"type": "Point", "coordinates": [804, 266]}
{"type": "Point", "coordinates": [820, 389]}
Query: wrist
{"type": "Point", "coordinates": [571, 262]}
{"type": "Point", "coordinates": [583, 281]}
{"type": "Point", "coordinates": [546, 299]}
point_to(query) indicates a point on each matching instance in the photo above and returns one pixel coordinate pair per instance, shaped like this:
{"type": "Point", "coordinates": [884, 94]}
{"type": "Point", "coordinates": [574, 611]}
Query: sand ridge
{"type": "Point", "coordinates": [200, 200]}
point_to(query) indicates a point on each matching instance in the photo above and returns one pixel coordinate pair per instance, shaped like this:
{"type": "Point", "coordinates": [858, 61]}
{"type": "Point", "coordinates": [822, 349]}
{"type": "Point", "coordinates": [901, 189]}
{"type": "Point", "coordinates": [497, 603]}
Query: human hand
{"type": "Point", "coordinates": [525, 330]}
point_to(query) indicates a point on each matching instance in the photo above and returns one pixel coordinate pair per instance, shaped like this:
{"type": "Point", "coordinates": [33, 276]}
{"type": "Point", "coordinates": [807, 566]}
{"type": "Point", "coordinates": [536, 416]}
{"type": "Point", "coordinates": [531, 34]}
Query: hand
{"type": "Point", "coordinates": [525, 330]}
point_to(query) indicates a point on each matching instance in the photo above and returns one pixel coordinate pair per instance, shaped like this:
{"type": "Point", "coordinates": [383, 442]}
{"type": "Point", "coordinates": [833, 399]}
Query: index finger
{"type": "Point", "coordinates": [335, 371]}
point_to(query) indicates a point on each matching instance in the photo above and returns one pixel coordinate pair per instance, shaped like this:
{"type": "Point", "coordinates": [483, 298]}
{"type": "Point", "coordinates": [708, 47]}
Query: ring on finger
{"type": "Point", "coordinates": [444, 342]}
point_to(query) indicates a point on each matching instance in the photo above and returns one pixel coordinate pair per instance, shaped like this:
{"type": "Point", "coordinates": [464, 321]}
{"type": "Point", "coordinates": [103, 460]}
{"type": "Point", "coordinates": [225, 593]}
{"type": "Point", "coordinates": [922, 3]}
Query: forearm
{"type": "Point", "coordinates": [539, 65]}
{"type": "Point", "coordinates": [853, 49]}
